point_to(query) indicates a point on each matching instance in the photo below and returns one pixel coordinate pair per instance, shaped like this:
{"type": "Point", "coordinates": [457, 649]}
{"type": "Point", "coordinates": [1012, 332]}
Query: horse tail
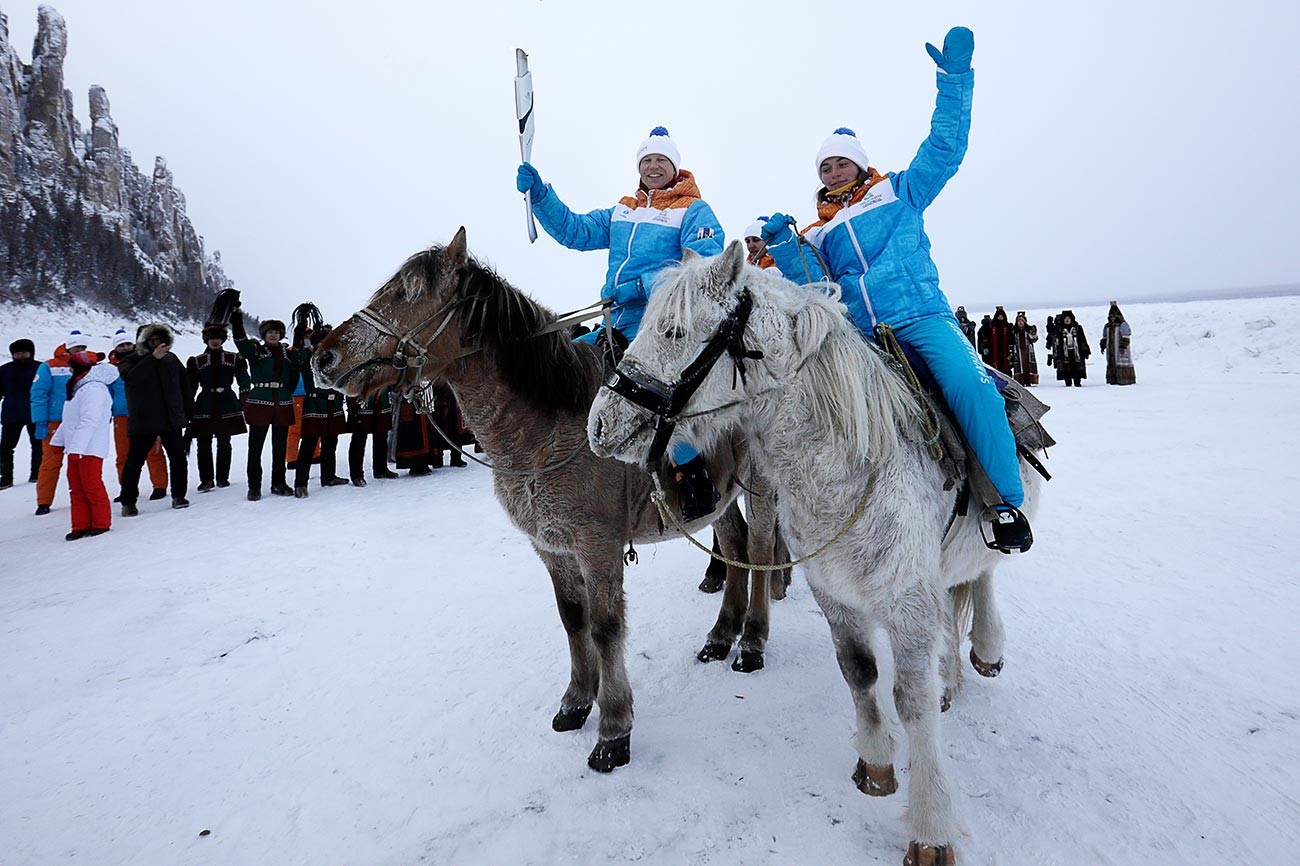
{"type": "Point", "coordinates": [963, 609]}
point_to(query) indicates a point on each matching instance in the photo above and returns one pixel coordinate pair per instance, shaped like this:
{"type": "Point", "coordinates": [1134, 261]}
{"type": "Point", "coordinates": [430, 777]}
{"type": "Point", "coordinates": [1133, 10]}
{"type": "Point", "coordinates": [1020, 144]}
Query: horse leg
{"type": "Point", "coordinates": [874, 741]}
{"type": "Point", "coordinates": [987, 637]}
{"type": "Point", "coordinates": [761, 504]}
{"type": "Point", "coordinates": [607, 614]}
{"type": "Point", "coordinates": [732, 535]}
{"type": "Point", "coordinates": [914, 628]}
{"type": "Point", "coordinates": [584, 677]}
{"type": "Point", "coordinates": [954, 614]}
{"type": "Point", "coordinates": [780, 553]}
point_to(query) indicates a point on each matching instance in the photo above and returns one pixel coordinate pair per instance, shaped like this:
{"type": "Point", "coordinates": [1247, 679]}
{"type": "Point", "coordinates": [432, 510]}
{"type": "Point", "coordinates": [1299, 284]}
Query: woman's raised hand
{"type": "Point", "coordinates": [958, 46]}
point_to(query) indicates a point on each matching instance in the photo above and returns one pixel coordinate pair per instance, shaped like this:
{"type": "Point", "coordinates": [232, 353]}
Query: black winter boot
{"type": "Point", "coordinates": [1011, 532]}
{"type": "Point", "coordinates": [695, 491]}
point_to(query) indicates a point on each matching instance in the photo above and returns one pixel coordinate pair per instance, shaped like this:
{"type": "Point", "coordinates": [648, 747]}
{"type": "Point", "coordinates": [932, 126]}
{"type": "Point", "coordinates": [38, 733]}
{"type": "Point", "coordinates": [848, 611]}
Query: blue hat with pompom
{"type": "Point", "coordinates": [659, 142]}
{"type": "Point", "coordinates": [842, 142]}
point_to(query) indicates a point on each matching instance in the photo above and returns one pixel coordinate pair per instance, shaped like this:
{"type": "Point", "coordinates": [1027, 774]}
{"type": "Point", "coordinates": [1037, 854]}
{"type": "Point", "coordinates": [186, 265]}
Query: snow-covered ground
{"type": "Point", "coordinates": [368, 676]}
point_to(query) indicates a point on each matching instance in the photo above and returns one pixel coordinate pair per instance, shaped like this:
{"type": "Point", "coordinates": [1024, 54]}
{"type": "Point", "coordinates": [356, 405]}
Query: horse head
{"type": "Point", "coordinates": [715, 334]}
{"type": "Point", "coordinates": [407, 333]}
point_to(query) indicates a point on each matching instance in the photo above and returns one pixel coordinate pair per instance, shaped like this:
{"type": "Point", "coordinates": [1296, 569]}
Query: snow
{"type": "Point", "coordinates": [368, 676]}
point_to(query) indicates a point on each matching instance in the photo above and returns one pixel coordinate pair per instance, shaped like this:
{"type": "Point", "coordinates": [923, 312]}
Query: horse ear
{"type": "Point", "coordinates": [726, 268]}
{"type": "Point", "coordinates": [458, 250]}
{"type": "Point", "coordinates": [689, 255]}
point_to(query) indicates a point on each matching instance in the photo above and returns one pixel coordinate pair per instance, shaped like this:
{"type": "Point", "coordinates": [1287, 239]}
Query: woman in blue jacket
{"type": "Point", "coordinates": [644, 233]}
{"type": "Point", "coordinates": [871, 234]}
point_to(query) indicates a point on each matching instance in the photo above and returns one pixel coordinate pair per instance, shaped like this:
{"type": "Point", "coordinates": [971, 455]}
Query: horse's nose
{"type": "Point", "coordinates": [325, 360]}
{"type": "Point", "coordinates": [600, 424]}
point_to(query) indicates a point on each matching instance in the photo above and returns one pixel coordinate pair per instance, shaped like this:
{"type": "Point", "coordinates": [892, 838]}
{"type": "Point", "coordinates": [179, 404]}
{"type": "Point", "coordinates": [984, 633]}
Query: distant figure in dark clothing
{"type": "Point", "coordinates": [217, 410]}
{"type": "Point", "coordinates": [1070, 350]}
{"type": "Point", "coordinates": [160, 403]}
{"type": "Point", "coordinates": [1051, 338]}
{"type": "Point", "coordinates": [967, 326]}
{"type": "Point", "coordinates": [16, 379]}
{"type": "Point", "coordinates": [1115, 338]}
{"type": "Point", "coordinates": [994, 341]}
{"type": "Point", "coordinates": [323, 420]}
{"type": "Point", "coordinates": [268, 404]}
{"type": "Point", "coordinates": [1024, 364]}
{"type": "Point", "coordinates": [369, 419]}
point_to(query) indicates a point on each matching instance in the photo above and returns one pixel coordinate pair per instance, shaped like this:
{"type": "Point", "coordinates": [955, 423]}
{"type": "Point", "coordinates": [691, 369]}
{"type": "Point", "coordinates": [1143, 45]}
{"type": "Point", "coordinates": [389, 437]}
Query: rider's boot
{"type": "Point", "coordinates": [695, 490]}
{"type": "Point", "coordinates": [1011, 532]}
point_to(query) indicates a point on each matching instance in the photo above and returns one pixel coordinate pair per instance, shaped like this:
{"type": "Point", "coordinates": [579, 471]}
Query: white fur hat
{"type": "Point", "coordinates": [755, 229]}
{"type": "Point", "coordinates": [659, 142]}
{"type": "Point", "coordinates": [121, 336]}
{"type": "Point", "coordinates": [842, 142]}
{"type": "Point", "coordinates": [75, 338]}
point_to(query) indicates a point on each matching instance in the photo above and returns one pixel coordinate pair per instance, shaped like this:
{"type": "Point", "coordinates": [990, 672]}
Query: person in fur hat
{"type": "Point", "coordinates": [966, 325]}
{"type": "Point", "coordinates": [160, 403]}
{"type": "Point", "coordinates": [870, 232]}
{"type": "Point", "coordinates": [84, 436]}
{"type": "Point", "coordinates": [322, 416]}
{"type": "Point", "coordinates": [994, 342]}
{"type": "Point", "coordinates": [1024, 364]}
{"type": "Point", "coordinates": [16, 379]}
{"type": "Point", "coordinates": [1070, 350]}
{"type": "Point", "coordinates": [644, 233]}
{"type": "Point", "coordinates": [217, 411]}
{"type": "Point", "coordinates": [48, 399]}
{"type": "Point", "coordinates": [268, 403]}
{"type": "Point", "coordinates": [124, 346]}
{"type": "Point", "coordinates": [1116, 336]}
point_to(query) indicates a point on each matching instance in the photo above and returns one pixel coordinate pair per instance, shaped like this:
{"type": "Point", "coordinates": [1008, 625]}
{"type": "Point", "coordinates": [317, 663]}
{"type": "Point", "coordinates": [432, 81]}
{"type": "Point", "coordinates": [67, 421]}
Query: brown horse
{"type": "Point", "coordinates": [525, 390]}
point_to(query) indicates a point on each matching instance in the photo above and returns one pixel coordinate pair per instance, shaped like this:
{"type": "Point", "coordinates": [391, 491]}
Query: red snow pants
{"type": "Point", "coordinates": [90, 505]}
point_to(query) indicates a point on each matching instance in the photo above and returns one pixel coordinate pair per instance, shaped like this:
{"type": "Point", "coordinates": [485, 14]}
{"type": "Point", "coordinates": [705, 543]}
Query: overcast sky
{"type": "Point", "coordinates": [1117, 148]}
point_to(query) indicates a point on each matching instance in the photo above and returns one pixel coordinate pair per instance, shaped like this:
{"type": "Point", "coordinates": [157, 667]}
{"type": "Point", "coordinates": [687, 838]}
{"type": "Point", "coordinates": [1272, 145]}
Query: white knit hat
{"type": "Point", "coordinates": [120, 336]}
{"type": "Point", "coordinates": [659, 142]}
{"type": "Point", "coordinates": [75, 338]}
{"type": "Point", "coordinates": [755, 229]}
{"type": "Point", "coordinates": [842, 142]}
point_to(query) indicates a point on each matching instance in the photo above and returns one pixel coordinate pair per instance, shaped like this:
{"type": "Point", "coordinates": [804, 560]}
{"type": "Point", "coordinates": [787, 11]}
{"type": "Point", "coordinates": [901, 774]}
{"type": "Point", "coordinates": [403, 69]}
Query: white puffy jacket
{"type": "Point", "coordinates": [87, 427]}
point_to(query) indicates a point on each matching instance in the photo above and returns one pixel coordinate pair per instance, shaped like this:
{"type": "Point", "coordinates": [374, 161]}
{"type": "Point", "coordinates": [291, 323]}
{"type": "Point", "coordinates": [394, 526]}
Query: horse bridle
{"type": "Point", "coordinates": [410, 356]}
{"type": "Point", "coordinates": [665, 402]}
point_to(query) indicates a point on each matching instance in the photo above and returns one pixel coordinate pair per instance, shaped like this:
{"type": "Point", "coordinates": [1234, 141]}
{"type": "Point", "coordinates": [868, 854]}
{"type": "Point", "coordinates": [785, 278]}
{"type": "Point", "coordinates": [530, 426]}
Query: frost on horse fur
{"type": "Point", "coordinates": [833, 425]}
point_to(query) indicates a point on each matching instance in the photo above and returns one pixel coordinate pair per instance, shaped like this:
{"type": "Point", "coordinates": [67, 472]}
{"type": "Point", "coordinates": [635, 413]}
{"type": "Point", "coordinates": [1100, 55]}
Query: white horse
{"type": "Point", "coordinates": [841, 434]}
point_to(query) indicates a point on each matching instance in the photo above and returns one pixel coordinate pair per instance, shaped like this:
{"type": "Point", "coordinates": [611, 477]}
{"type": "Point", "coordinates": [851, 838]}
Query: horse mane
{"type": "Point", "coordinates": [549, 372]}
{"type": "Point", "coordinates": [854, 391]}
{"type": "Point", "coordinates": [856, 397]}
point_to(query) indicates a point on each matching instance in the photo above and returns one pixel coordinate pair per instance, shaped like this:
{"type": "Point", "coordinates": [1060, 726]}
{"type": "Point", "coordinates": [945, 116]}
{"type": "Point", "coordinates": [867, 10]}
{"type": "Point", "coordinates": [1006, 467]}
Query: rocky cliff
{"type": "Point", "coordinates": [77, 217]}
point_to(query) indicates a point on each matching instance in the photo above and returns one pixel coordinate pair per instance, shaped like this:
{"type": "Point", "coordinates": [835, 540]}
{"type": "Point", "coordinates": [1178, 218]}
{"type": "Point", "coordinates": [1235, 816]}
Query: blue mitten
{"type": "Point", "coordinates": [528, 180]}
{"type": "Point", "coordinates": [42, 431]}
{"type": "Point", "coordinates": [777, 229]}
{"type": "Point", "coordinates": [958, 46]}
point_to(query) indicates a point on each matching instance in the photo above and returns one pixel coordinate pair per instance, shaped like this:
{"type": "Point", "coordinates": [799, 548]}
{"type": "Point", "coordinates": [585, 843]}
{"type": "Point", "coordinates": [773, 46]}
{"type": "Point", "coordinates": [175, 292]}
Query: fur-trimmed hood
{"type": "Point", "coordinates": [150, 330]}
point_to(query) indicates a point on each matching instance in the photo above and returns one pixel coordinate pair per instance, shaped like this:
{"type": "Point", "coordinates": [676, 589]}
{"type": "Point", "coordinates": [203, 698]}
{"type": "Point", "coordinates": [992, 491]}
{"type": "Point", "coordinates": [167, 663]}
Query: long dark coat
{"type": "Point", "coordinates": [373, 415]}
{"type": "Point", "coordinates": [217, 410]}
{"type": "Point", "coordinates": [1115, 338]}
{"type": "Point", "coordinates": [1070, 350]}
{"type": "Point", "coordinates": [1024, 365]}
{"type": "Point", "coordinates": [995, 342]}
{"type": "Point", "coordinates": [322, 408]}
{"type": "Point", "coordinates": [159, 398]}
{"type": "Point", "coordinates": [275, 374]}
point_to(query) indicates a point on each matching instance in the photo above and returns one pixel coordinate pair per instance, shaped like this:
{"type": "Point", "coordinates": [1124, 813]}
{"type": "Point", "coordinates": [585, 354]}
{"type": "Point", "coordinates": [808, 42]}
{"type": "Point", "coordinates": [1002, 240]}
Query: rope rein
{"type": "Point", "coordinates": [666, 513]}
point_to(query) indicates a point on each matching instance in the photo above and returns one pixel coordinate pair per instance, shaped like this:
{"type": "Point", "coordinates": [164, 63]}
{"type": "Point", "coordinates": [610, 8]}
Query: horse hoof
{"type": "Point", "coordinates": [929, 855]}
{"type": "Point", "coordinates": [945, 701]}
{"type": "Point", "coordinates": [570, 718]}
{"type": "Point", "coordinates": [983, 668]}
{"type": "Point", "coordinates": [712, 584]}
{"type": "Point", "coordinates": [714, 652]}
{"type": "Point", "coordinates": [748, 661]}
{"type": "Point", "coordinates": [609, 754]}
{"type": "Point", "coordinates": [875, 781]}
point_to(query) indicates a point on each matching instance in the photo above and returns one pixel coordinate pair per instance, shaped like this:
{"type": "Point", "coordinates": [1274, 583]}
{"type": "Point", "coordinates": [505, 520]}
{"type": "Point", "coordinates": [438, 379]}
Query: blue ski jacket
{"type": "Point", "coordinates": [873, 238]}
{"type": "Point", "coordinates": [643, 233]}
